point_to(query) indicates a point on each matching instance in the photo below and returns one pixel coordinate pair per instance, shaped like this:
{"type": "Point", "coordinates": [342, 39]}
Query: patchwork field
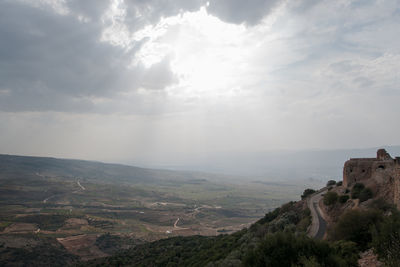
{"type": "Point", "coordinates": [79, 204]}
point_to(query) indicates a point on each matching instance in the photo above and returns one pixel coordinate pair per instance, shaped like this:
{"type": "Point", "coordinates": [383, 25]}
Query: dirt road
{"type": "Point", "coordinates": [176, 223]}
{"type": "Point", "coordinates": [83, 188]}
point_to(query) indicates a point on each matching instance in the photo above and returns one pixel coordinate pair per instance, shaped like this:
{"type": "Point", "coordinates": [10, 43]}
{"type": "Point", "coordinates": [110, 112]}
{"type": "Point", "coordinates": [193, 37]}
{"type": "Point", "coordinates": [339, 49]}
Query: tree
{"type": "Point", "coordinates": [287, 249]}
{"type": "Point", "coordinates": [343, 198]}
{"type": "Point", "coordinates": [330, 198]}
{"type": "Point", "coordinates": [331, 182]}
{"type": "Point", "coordinates": [355, 225]}
{"type": "Point", "coordinates": [307, 193]}
{"type": "Point", "coordinates": [356, 190]}
{"type": "Point", "coordinates": [365, 194]}
{"type": "Point", "coordinates": [386, 240]}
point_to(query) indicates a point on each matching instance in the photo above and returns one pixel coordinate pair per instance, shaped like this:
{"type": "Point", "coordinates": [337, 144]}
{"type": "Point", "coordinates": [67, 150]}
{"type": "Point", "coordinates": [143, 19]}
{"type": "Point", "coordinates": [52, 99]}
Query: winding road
{"type": "Point", "coordinates": [50, 197]}
{"type": "Point", "coordinates": [176, 223]}
{"type": "Point", "coordinates": [317, 229]}
{"type": "Point", "coordinates": [82, 187]}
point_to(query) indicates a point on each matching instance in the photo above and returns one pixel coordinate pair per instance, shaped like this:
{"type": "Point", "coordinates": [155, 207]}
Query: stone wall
{"type": "Point", "coordinates": [396, 193]}
{"type": "Point", "coordinates": [381, 174]}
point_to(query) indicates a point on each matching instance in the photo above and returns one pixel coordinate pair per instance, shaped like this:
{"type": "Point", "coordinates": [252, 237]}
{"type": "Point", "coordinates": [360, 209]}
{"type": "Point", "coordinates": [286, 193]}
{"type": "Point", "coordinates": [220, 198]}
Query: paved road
{"type": "Point", "coordinates": [318, 225]}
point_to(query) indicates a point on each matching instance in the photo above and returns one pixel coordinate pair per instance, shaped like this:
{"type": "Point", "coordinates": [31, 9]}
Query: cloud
{"type": "Point", "coordinates": [158, 75]}
{"type": "Point", "coordinates": [234, 75]}
{"type": "Point", "coordinates": [57, 62]}
{"type": "Point", "coordinates": [238, 11]}
{"type": "Point", "coordinates": [344, 66]}
{"type": "Point", "coordinates": [91, 9]}
{"type": "Point", "coordinates": [151, 11]}
{"type": "Point", "coordinates": [66, 55]}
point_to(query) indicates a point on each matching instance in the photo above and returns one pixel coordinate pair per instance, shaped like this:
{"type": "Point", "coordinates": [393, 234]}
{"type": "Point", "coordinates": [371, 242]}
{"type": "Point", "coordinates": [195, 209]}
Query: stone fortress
{"type": "Point", "coordinates": [381, 174]}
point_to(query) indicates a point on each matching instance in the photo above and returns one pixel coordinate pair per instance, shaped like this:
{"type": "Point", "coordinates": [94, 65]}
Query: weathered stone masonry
{"type": "Point", "coordinates": [381, 174]}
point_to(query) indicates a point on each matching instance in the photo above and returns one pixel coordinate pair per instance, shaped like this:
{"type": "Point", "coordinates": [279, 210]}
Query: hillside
{"type": "Point", "coordinates": [91, 219]}
{"type": "Point", "coordinates": [362, 226]}
{"type": "Point", "coordinates": [71, 169]}
{"type": "Point", "coordinates": [85, 210]}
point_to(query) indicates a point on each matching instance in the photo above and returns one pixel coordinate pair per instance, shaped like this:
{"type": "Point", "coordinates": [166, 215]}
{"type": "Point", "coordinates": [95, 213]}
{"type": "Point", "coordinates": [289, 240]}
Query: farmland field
{"type": "Point", "coordinates": [79, 203]}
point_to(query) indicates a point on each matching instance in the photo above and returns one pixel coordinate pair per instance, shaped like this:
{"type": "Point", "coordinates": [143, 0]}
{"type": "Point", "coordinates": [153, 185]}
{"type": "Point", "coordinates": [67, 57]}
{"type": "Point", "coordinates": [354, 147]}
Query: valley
{"type": "Point", "coordinates": [77, 202]}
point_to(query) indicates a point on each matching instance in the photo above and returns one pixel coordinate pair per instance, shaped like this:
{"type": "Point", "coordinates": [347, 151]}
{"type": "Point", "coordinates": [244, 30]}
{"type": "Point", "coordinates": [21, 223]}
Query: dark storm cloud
{"type": "Point", "coordinates": [239, 11]}
{"type": "Point", "coordinates": [54, 62]}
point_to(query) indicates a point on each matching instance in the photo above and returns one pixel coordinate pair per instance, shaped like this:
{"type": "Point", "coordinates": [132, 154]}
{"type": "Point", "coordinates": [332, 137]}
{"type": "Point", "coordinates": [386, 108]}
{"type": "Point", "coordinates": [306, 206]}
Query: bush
{"type": "Point", "coordinates": [331, 182]}
{"type": "Point", "coordinates": [286, 249]}
{"type": "Point", "coordinates": [348, 250]}
{"type": "Point", "coordinates": [381, 204]}
{"type": "Point", "coordinates": [358, 186]}
{"type": "Point", "coordinates": [361, 192]}
{"type": "Point", "coordinates": [365, 194]}
{"type": "Point", "coordinates": [339, 183]}
{"type": "Point", "coordinates": [356, 190]}
{"type": "Point", "coordinates": [355, 225]}
{"type": "Point", "coordinates": [330, 198]}
{"type": "Point", "coordinates": [270, 216]}
{"type": "Point", "coordinates": [386, 240]}
{"type": "Point", "coordinates": [307, 193]}
{"type": "Point", "coordinates": [343, 198]}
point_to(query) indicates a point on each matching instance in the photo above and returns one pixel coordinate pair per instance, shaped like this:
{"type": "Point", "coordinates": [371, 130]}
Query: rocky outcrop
{"type": "Point", "coordinates": [381, 174]}
{"type": "Point", "coordinates": [369, 259]}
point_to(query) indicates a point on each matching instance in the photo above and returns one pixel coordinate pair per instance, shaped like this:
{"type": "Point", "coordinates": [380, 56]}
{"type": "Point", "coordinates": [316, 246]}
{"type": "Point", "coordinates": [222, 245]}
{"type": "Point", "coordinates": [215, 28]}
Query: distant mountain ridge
{"type": "Point", "coordinates": [91, 170]}
{"type": "Point", "coordinates": [273, 166]}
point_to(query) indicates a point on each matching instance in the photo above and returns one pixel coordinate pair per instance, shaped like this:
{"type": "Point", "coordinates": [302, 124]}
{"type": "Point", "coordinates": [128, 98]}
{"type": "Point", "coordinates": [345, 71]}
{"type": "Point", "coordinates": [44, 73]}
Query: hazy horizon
{"type": "Point", "coordinates": [308, 167]}
{"type": "Point", "coordinates": [175, 83]}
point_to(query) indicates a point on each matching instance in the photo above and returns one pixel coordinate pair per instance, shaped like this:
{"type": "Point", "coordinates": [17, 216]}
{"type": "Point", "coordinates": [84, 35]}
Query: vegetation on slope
{"type": "Point", "coordinates": [45, 252]}
{"type": "Point", "coordinates": [279, 237]}
{"type": "Point", "coordinates": [386, 239]}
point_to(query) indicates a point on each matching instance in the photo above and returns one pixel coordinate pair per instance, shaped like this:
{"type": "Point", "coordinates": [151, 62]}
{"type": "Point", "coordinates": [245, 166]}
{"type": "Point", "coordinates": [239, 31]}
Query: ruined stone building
{"type": "Point", "coordinates": [381, 174]}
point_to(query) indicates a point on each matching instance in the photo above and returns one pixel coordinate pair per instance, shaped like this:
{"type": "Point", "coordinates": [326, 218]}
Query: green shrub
{"type": "Point", "coordinates": [343, 198]}
{"type": "Point", "coordinates": [339, 183]}
{"type": "Point", "coordinates": [348, 250]}
{"type": "Point", "coordinates": [386, 240]}
{"type": "Point", "coordinates": [365, 194]}
{"type": "Point", "coordinates": [270, 216]}
{"type": "Point", "coordinates": [286, 249]}
{"type": "Point", "coordinates": [356, 190]}
{"type": "Point", "coordinates": [307, 193]}
{"type": "Point", "coordinates": [330, 198]}
{"type": "Point", "coordinates": [358, 186]}
{"type": "Point", "coordinates": [331, 182]}
{"type": "Point", "coordinates": [381, 204]}
{"type": "Point", "coordinates": [303, 224]}
{"type": "Point", "coordinates": [361, 192]}
{"type": "Point", "coordinates": [355, 225]}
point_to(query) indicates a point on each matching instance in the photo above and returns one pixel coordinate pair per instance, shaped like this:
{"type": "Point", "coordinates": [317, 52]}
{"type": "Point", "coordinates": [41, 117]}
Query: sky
{"type": "Point", "coordinates": [166, 82]}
